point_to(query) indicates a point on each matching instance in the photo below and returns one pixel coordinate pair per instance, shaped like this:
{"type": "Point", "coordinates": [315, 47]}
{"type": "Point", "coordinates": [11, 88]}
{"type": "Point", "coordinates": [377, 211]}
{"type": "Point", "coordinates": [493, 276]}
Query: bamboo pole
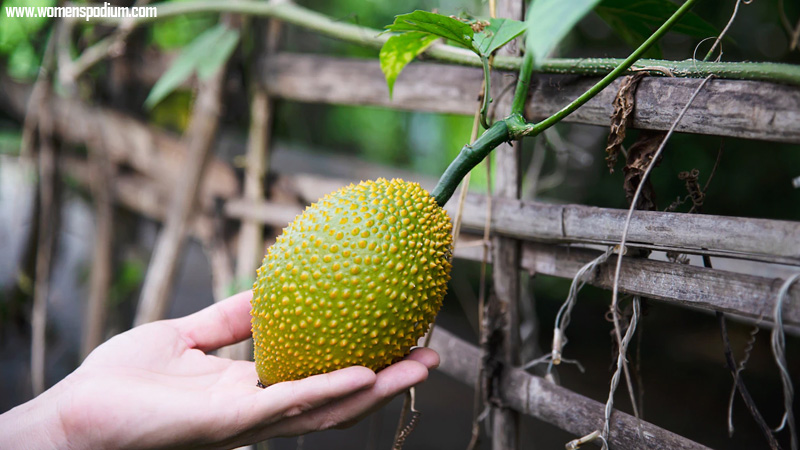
{"type": "Point", "coordinates": [556, 405]}
{"type": "Point", "coordinates": [199, 138]}
{"type": "Point", "coordinates": [300, 16]}
{"type": "Point", "coordinates": [102, 255]}
{"type": "Point", "coordinates": [502, 311]}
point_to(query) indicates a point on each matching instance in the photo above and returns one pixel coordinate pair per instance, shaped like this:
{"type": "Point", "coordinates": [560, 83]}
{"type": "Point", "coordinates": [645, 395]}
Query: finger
{"type": "Point", "coordinates": [292, 398]}
{"type": "Point", "coordinates": [391, 381]}
{"type": "Point", "coordinates": [425, 356]}
{"type": "Point", "coordinates": [223, 323]}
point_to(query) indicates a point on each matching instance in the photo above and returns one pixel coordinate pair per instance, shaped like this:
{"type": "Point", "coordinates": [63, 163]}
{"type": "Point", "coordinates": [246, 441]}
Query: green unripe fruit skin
{"type": "Point", "coordinates": [356, 279]}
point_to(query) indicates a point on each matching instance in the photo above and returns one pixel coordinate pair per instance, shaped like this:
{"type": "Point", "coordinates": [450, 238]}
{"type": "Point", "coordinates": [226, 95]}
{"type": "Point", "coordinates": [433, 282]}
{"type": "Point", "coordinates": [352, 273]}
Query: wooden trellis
{"type": "Point", "coordinates": [530, 236]}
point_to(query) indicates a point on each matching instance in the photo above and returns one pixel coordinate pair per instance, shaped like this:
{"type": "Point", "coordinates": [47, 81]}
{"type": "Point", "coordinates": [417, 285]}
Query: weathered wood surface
{"type": "Point", "coordinates": [739, 237]}
{"type": "Point", "coordinates": [551, 403]}
{"type": "Point", "coordinates": [502, 312]}
{"type": "Point", "coordinates": [156, 292]}
{"type": "Point", "coordinates": [153, 153]}
{"type": "Point", "coordinates": [757, 239]}
{"type": "Point", "coordinates": [746, 109]}
{"type": "Point", "coordinates": [710, 289]}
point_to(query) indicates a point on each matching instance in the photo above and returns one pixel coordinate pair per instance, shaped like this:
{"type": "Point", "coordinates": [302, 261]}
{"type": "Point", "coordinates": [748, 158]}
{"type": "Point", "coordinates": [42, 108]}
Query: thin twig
{"type": "Point", "coordinates": [591, 437]}
{"type": "Point", "coordinates": [623, 241]}
{"type": "Point", "coordinates": [113, 45]}
{"type": "Point", "coordinates": [736, 369]}
{"type": "Point", "coordinates": [621, 364]}
{"type": "Point", "coordinates": [748, 349]}
{"type": "Point", "coordinates": [404, 430]}
{"type": "Point", "coordinates": [102, 254]}
{"type": "Point", "coordinates": [724, 31]}
{"type": "Point", "coordinates": [39, 114]}
{"type": "Point", "coordinates": [565, 312]}
{"type": "Point", "coordinates": [45, 243]}
{"type": "Point", "coordinates": [792, 31]}
{"type": "Point", "coordinates": [742, 388]}
{"type": "Point", "coordinates": [778, 344]}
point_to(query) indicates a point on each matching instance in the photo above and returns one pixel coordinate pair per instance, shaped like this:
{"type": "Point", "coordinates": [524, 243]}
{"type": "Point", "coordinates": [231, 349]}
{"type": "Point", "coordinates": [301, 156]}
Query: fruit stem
{"type": "Point", "coordinates": [469, 156]}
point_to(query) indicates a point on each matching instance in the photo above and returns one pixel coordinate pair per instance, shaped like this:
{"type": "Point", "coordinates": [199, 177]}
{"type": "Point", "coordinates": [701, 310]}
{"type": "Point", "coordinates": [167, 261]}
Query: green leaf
{"type": "Point", "coordinates": [636, 20]}
{"type": "Point", "coordinates": [437, 24]}
{"type": "Point", "coordinates": [206, 53]}
{"type": "Point", "coordinates": [549, 21]}
{"type": "Point", "coordinates": [218, 54]}
{"type": "Point", "coordinates": [499, 33]}
{"type": "Point", "coordinates": [400, 50]}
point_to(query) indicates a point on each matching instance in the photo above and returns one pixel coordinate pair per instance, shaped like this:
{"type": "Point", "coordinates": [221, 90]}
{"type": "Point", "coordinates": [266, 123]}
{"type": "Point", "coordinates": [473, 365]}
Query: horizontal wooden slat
{"type": "Point", "coordinates": [711, 289]}
{"type": "Point", "coordinates": [757, 239]}
{"type": "Point", "coordinates": [700, 287]}
{"type": "Point", "coordinates": [738, 237]}
{"type": "Point", "coordinates": [551, 403]}
{"type": "Point", "coordinates": [746, 109]}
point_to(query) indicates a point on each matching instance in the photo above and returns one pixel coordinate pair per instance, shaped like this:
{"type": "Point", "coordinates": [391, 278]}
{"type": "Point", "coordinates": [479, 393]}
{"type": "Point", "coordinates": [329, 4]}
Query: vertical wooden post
{"type": "Point", "coordinates": [199, 138]}
{"type": "Point", "coordinates": [46, 242]}
{"type": "Point", "coordinates": [505, 268]}
{"type": "Point", "coordinates": [251, 236]}
{"type": "Point", "coordinates": [102, 254]}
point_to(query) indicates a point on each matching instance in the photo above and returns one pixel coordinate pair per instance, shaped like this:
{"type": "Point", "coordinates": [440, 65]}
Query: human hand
{"type": "Point", "coordinates": [155, 386]}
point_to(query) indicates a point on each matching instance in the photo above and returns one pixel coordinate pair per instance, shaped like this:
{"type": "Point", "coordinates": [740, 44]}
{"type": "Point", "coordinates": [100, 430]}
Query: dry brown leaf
{"type": "Point", "coordinates": [639, 156]}
{"type": "Point", "coordinates": [623, 108]}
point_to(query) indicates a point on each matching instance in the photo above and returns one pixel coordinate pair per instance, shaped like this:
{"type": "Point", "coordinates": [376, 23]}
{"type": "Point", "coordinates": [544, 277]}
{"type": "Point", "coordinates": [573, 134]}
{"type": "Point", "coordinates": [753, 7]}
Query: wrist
{"type": "Point", "coordinates": [35, 424]}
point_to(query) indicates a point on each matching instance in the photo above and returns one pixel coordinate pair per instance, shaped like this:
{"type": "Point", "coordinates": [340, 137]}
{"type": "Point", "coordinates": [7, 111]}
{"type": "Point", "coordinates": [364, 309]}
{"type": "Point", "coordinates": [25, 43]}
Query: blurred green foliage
{"type": "Point", "coordinates": [18, 39]}
{"type": "Point", "coordinates": [10, 141]}
{"type": "Point", "coordinates": [175, 33]}
{"type": "Point", "coordinates": [203, 57]}
{"type": "Point", "coordinates": [173, 112]}
{"type": "Point", "coordinates": [127, 280]}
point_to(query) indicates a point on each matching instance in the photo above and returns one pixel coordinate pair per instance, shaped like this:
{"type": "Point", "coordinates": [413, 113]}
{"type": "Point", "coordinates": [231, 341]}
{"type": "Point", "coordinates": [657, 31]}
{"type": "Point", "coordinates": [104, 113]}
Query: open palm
{"type": "Point", "coordinates": [156, 386]}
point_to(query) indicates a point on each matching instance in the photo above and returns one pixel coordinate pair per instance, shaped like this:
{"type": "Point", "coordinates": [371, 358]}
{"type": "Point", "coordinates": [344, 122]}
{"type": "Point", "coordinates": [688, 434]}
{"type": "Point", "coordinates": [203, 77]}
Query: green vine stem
{"type": "Point", "coordinates": [514, 125]}
{"type": "Point", "coordinates": [523, 84]}
{"type": "Point", "coordinates": [320, 23]}
{"type": "Point", "coordinates": [486, 89]}
{"type": "Point", "coordinates": [469, 156]}
{"type": "Point", "coordinates": [619, 70]}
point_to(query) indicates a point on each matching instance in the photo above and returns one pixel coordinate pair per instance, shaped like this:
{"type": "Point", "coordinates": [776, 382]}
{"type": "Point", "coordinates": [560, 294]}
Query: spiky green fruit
{"type": "Point", "coordinates": [355, 280]}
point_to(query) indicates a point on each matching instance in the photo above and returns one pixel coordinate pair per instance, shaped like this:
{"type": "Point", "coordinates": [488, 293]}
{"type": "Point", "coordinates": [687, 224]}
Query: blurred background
{"type": "Point", "coordinates": [679, 354]}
